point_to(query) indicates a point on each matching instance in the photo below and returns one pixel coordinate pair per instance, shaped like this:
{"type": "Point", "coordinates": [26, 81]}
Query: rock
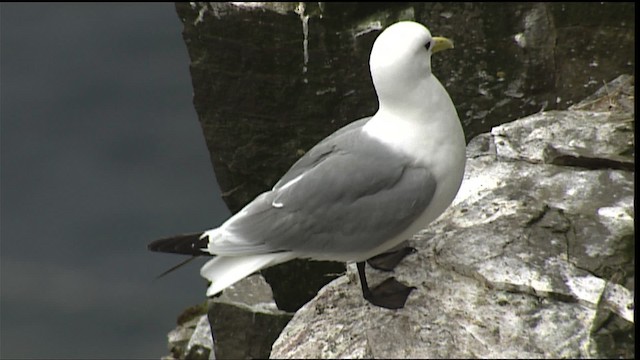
{"type": "Point", "coordinates": [272, 79]}
{"type": "Point", "coordinates": [201, 342]}
{"type": "Point", "coordinates": [593, 138]}
{"type": "Point", "coordinates": [535, 258]}
{"type": "Point", "coordinates": [186, 337]}
{"type": "Point", "coordinates": [244, 319]}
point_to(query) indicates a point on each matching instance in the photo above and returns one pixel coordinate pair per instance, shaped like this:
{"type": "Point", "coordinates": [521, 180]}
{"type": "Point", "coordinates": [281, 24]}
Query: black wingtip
{"type": "Point", "coordinates": [187, 244]}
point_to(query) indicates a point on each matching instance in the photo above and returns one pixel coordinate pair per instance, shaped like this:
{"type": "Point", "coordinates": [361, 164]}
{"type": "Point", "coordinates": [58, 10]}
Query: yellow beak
{"type": "Point", "coordinates": [441, 43]}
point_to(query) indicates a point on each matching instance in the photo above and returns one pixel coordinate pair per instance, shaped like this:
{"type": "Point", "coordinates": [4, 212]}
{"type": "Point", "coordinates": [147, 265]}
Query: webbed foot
{"type": "Point", "coordinates": [389, 294]}
{"type": "Point", "coordinates": [389, 260]}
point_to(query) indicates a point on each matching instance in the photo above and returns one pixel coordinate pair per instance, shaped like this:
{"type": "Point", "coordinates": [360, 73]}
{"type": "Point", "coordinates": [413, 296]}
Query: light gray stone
{"type": "Point", "coordinates": [201, 341]}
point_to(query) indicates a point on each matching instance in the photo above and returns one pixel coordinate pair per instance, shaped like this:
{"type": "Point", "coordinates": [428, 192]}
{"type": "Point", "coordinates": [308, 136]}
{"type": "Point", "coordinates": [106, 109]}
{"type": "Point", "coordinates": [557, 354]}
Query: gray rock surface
{"type": "Point", "coordinates": [534, 259]}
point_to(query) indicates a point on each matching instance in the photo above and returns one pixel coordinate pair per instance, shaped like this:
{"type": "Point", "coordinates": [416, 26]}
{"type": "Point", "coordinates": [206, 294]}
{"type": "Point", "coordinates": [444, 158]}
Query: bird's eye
{"type": "Point", "coordinates": [427, 45]}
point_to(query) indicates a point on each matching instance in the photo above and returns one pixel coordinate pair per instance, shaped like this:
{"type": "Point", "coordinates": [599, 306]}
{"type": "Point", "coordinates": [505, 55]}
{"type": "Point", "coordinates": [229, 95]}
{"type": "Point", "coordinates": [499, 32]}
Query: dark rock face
{"type": "Point", "coordinates": [262, 105]}
{"type": "Point", "coordinates": [245, 320]}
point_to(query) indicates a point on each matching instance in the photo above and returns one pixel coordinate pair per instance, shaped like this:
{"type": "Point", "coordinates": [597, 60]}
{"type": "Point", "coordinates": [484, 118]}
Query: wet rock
{"type": "Point", "coordinates": [534, 258]}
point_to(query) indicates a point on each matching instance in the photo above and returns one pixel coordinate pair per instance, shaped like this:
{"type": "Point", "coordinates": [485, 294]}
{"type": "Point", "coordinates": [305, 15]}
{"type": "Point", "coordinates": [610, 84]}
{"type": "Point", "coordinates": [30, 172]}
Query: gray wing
{"type": "Point", "coordinates": [318, 152]}
{"type": "Point", "coordinates": [352, 195]}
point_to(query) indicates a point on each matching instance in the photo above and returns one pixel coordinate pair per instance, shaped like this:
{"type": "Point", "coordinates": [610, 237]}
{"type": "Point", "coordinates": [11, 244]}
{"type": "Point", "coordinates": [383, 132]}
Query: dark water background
{"type": "Point", "coordinates": [101, 151]}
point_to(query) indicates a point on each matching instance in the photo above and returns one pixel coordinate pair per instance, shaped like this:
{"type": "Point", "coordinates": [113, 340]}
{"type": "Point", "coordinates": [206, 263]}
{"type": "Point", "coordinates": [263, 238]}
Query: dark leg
{"type": "Point", "coordinates": [390, 294]}
{"type": "Point", "coordinates": [210, 317]}
{"type": "Point", "coordinates": [366, 292]}
{"type": "Point", "coordinates": [389, 260]}
{"type": "Point", "coordinates": [214, 344]}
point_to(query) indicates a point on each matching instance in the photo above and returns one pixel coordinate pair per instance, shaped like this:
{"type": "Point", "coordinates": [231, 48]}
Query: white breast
{"type": "Point", "coordinates": [431, 133]}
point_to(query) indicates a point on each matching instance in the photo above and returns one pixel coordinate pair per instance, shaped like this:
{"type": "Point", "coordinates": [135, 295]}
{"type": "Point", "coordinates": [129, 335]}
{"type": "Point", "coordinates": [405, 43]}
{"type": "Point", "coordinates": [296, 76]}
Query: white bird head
{"type": "Point", "coordinates": [401, 58]}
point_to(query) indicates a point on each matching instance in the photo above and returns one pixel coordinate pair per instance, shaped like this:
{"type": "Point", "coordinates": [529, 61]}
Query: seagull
{"type": "Point", "coordinates": [360, 192]}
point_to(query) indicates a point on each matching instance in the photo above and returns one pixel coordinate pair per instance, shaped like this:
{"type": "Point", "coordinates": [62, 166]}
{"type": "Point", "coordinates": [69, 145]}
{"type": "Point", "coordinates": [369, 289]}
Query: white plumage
{"type": "Point", "coordinates": [363, 189]}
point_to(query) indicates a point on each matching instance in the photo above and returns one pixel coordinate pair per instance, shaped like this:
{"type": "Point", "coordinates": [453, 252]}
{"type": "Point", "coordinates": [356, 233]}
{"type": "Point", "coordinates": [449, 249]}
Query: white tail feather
{"type": "Point", "coordinates": [224, 271]}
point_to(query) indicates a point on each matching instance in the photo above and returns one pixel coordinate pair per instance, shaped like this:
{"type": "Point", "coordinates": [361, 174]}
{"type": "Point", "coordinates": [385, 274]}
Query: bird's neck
{"type": "Point", "coordinates": [422, 121]}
